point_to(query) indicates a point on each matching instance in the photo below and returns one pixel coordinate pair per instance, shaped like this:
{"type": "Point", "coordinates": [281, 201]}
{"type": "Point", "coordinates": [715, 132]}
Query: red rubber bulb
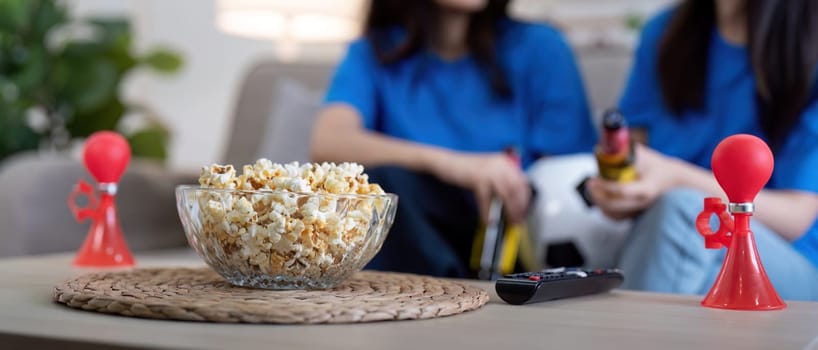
{"type": "Point", "coordinates": [742, 164]}
{"type": "Point", "coordinates": [106, 156]}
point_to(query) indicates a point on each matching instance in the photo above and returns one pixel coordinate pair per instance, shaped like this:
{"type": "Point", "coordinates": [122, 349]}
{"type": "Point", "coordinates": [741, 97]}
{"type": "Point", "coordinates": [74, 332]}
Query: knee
{"type": "Point", "coordinates": [412, 187]}
{"type": "Point", "coordinates": [387, 172]}
{"type": "Point", "coordinates": [681, 196]}
{"type": "Point", "coordinates": [678, 203]}
{"type": "Point", "coordinates": [674, 213]}
{"type": "Point", "coordinates": [400, 181]}
{"type": "Point", "coordinates": [394, 178]}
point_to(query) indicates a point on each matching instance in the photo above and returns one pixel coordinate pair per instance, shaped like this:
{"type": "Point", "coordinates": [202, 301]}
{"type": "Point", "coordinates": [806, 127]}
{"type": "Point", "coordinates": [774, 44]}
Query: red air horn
{"type": "Point", "coordinates": [742, 164]}
{"type": "Point", "coordinates": [106, 155]}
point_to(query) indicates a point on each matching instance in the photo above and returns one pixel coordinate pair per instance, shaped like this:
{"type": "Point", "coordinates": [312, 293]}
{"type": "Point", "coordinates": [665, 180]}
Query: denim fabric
{"type": "Point", "coordinates": [665, 253]}
{"type": "Point", "coordinates": [434, 225]}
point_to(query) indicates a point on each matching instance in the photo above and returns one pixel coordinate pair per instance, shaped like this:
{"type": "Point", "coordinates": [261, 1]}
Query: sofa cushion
{"type": "Point", "coordinates": [287, 133]}
{"type": "Point", "coordinates": [255, 99]}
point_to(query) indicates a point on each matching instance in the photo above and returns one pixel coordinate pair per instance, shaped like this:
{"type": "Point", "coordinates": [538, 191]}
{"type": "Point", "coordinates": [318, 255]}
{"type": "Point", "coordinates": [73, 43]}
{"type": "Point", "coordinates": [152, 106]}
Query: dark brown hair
{"type": "Point", "coordinates": [782, 48]}
{"type": "Point", "coordinates": [419, 20]}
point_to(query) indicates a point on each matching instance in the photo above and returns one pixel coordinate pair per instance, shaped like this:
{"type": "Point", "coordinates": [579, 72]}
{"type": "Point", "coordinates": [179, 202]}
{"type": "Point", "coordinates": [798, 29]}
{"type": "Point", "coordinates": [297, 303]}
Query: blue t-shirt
{"type": "Point", "coordinates": [729, 108]}
{"type": "Point", "coordinates": [451, 104]}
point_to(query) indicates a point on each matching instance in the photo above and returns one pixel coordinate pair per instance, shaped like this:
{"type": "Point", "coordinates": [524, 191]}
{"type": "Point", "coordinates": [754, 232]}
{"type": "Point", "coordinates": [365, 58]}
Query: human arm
{"type": "Point", "coordinates": [346, 130]}
{"type": "Point", "coordinates": [790, 213]}
{"type": "Point", "coordinates": [338, 135]}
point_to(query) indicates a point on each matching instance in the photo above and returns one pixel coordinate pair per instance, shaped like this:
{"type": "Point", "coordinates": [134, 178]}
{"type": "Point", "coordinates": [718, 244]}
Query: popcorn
{"type": "Point", "coordinates": [272, 221]}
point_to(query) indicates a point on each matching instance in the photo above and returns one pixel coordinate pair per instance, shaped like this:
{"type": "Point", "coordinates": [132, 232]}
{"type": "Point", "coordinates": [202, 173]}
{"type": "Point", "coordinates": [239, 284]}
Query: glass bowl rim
{"type": "Point", "coordinates": [198, 188]}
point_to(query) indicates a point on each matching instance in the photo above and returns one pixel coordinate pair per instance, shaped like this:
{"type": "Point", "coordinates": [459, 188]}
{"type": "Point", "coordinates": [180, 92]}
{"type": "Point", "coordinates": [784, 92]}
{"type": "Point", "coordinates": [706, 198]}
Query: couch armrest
{"type": "Point", "coordinates": [35, 217]}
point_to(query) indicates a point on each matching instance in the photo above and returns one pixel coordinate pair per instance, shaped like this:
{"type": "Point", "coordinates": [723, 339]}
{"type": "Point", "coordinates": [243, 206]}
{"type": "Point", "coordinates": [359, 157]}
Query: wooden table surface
{"type": "Point", "coordinates": [617, 320]}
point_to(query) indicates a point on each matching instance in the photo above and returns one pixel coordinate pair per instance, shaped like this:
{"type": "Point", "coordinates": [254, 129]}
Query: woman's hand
{"type": "Point", "coordinates": [657, 175]}
{"type": "Point", "coordinates": [488, 175]}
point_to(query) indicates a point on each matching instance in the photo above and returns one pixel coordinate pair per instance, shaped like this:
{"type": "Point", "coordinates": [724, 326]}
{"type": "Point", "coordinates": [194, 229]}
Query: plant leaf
{"type": "Point", "coordinates": [46, 16]}
{"type": "Point", "coordinates": [162, 60]}
{"type": "Point", "coordinates": [81, 50]}
{"type": "Point", "coordinates": [150, 143]}
{"type": "Point", "coordinates": [15, 135]}
{"type": "Point", "coordinates": [86, 83]}
{"type": "Point", "coordinates": [14, 14]}
{"type": "Point", "coordinates": [106, 117]}
{"type": "Point", "coordinates": [33, 71]}
{"type": "Point", "coordinates": [634, 21]}
{"type": "Point", "coordinates": [114, 31]}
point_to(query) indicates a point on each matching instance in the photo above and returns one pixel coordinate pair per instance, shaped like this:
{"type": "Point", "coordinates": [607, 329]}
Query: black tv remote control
{"type": "Point", "coordinates": [557, 283]}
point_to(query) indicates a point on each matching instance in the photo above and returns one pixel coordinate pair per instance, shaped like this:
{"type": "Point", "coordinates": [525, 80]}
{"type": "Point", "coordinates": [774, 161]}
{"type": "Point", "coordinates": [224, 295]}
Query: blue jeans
{"type": "Point", "coordinates": [665, 253]}
{"type": "Point", "coordinates": [434, 225]}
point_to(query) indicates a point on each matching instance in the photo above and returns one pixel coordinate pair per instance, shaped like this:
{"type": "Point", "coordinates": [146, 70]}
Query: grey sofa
{"type": "Point", "coordinates": [277, 103]}
{"type": "Point", "coordinates": [276, 107]}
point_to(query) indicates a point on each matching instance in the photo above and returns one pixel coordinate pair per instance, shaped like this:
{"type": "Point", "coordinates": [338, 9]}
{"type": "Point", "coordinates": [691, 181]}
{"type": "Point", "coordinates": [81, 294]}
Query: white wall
{"type": "Point", "coordinates": [197, 103]}
{"type": "Point", "coordinates": [591, 23]}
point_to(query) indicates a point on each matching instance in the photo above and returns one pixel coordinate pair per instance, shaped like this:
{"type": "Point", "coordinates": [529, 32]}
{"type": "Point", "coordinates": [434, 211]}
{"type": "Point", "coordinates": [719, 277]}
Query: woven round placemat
{"type": "Point", "coordinates": [202, 295]}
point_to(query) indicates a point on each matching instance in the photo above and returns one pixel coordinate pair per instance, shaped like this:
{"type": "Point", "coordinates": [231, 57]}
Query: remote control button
{"type": "Point", "coordinates": [554, 270]}
{"type": "Point", "coordinates": [534, 278]}
{"type": "Point", "coordinates": [519, 275]}
{"type": "Point", "coordinates": [553, 276]}
{"type": "Point", "coordinates": [577, 273]}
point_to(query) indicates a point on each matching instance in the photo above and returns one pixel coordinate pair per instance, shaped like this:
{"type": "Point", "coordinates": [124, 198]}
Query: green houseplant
{"type": "Point", "coordinates": [68, 72]}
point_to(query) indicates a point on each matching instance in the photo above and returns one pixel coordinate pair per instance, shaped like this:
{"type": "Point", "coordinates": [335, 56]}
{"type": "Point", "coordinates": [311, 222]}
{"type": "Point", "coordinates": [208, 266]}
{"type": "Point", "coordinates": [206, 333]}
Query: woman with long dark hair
{"type": "Point", "coordinates": [430, 98]}
{"type": "Point", "coordinates": [705, 70]}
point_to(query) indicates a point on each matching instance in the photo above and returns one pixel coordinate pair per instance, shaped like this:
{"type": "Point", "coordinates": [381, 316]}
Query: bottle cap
{"type": "Point", "coordinates": [612, 119]}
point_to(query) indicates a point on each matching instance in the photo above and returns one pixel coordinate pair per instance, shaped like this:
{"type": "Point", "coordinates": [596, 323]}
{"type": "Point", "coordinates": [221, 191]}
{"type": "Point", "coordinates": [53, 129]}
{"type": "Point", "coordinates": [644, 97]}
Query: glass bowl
{"type": "Point", "coordinates": [284, 240]}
